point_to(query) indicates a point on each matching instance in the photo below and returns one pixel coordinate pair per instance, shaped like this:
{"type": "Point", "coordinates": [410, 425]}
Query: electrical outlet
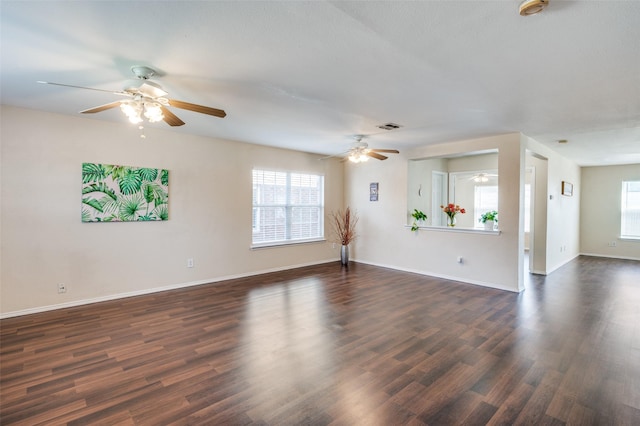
{"type": "Point", "coordinates": [334, 246]}
{"type": "Point", "coordinates": [460, 259]}
{"type": "Point", "coordinates": [190, 262]}
{"type": "Point", "coordinates": [62, 288]}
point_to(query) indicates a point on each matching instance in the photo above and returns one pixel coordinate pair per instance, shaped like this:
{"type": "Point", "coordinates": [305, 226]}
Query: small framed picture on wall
{"type": "Point", "coordinates": [373, 191]}
{"type": "Point", "coordinates": [567, 189]}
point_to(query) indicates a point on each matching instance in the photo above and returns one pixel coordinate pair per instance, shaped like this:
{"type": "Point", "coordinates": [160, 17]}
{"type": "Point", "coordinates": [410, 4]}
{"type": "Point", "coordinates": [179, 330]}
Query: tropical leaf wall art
{"type": "Point", "coordinates": [112, 193]}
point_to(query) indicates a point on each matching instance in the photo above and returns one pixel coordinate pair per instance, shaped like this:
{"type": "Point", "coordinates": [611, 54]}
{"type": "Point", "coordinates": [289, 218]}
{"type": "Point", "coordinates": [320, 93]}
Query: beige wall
{"type": "Point", "coordinates": [600, 211]}
{"type": "Point", "coordinates": [489, 260]}
{"type": "Point", "coordinates": [44, 243]}
{"type": "Point", "coordinates": [384, 239]}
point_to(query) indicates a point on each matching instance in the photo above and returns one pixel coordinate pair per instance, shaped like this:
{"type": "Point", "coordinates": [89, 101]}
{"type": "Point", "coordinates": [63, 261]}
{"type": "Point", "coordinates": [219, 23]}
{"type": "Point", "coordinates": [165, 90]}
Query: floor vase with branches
{"type": "Point", "coordinates": [344, 226]}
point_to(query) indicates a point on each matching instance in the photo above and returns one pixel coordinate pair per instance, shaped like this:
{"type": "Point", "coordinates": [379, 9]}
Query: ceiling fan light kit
{"type": "Point", "coordinates": [134, 110]}
{"type": "Point", "coordinates": [359, 155]}
{"type": "Point", "coordinates": [531, 7]}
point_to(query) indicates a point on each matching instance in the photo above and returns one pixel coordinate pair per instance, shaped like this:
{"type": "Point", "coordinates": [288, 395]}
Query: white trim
{"type": "Point", "coordinates": [629, 239]}
{"type": "Point", "coordinates": [444, 277]}
{"type": "Point", "coordinates": [107, 298]}
{"type": "Point", "coordinates": [609, 256]}
{"type": "Point", "coordinates": [287, 243]}
{"type": "Point", "coordinates": [454, 229]}
{"type": "Point", "coordinates": [560, 265]}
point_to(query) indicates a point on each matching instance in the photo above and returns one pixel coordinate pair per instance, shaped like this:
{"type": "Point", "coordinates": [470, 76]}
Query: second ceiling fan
{"type": "Point", "coordinates": [360, 151]}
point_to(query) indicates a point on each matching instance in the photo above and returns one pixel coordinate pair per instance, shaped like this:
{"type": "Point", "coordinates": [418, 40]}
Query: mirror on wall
{"type": "Point", "coordinates": [469, 180]}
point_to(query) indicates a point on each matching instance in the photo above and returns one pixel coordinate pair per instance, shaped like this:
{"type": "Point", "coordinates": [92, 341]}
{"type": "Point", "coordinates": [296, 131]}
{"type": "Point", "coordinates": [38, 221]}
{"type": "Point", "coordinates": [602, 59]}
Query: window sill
{"type": "Point", "coordinates": [630, 239]}
{"type": "Point", "coordinates": [286, 243]}
{"type": "Point", "coordinates": [456, 229]}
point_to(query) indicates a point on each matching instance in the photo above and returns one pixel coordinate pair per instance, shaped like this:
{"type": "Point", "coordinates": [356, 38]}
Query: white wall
{"type": "Point", "coordinates": [385, 240]}
{"type": "Point", "coordinates": [600, 211]}
{"type": "Point", "coordinates": [44, 242]}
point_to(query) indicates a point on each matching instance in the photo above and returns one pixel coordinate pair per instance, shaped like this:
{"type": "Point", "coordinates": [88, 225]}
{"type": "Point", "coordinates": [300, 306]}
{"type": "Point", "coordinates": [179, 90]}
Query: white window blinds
{"type": "Point", "coordinates": [630, 220]}
{"type": "Point", "coordinates": [287, 207]}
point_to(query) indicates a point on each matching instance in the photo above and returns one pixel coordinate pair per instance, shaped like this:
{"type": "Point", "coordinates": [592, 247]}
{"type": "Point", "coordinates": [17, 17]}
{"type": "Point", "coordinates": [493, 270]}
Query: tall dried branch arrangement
{"type": "Point", "coordinates": [344, 224]}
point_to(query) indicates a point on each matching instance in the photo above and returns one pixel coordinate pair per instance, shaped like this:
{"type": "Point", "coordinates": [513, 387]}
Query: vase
{"type": "Point", "coordinates": [344, 254]}
{"type": "Point", "coordinates": [451, 221]}
{"type": "Point", "coordinates": [488, 225]}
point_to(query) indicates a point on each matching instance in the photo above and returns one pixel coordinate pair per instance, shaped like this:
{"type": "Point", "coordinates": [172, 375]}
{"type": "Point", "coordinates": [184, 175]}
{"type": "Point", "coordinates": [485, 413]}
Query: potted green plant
{"type": "Point", "coordinates": [418, 216]}
{"type": "Point", "coordinates": [489, 219]}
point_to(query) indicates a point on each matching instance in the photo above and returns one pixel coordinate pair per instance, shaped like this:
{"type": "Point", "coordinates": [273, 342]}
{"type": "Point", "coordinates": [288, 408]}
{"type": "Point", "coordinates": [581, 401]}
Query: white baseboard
{"type": "Point", "coordinates": [109, 297]}
{"type": "Point", "coordinates": [560, 265]}
{"type": "Point", "coordinates": [444, 277]}
{"type": "Point", "coordinates": [610, 257]}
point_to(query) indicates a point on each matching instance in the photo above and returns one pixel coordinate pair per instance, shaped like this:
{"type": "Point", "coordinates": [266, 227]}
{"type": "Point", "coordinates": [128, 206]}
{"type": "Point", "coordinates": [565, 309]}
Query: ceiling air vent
{"type": "Point", "coordinates": [389, 126]}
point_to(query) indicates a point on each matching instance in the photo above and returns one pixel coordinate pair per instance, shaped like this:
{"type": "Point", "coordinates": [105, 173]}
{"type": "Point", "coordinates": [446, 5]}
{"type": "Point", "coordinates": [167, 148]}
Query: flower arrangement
{"type": "Point", "coordinates": [344, 225]}
{"type": "Point", "coordinates": [452, 210]}
{"type": "Point", "coordinates": [417, 216]}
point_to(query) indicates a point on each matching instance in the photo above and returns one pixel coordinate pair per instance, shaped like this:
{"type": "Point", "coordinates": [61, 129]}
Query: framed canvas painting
{"type": "Point", "coordinates": [114, 193]}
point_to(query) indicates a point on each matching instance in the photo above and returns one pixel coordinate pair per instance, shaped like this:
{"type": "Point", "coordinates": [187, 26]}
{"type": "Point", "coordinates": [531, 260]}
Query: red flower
{"type": "Point", "coordinates": [452, 209]}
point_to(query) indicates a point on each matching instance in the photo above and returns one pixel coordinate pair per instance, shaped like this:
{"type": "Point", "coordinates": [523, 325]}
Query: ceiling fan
{"type": "Point", "coordinates": [482, 177]}
{"type": "Point", "coordinates": [146, 98]}
{"type": "Point", "coordinates": [361, 152]}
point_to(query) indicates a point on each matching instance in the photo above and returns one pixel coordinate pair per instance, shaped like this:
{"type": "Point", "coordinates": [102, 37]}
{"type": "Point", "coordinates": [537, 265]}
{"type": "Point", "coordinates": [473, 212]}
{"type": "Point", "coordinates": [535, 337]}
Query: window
{"type": "Point", "coordinates": [485, 200]}
{"type": "Point", "coordinates": [287, 207]}
{"type": "Point", "coordinates": [630, 221]}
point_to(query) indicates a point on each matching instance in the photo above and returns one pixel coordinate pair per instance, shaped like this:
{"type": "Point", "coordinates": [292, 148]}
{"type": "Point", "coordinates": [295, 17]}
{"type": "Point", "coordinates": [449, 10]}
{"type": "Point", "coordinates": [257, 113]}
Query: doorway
{"type": "Point", "coordinates": [535, 204]}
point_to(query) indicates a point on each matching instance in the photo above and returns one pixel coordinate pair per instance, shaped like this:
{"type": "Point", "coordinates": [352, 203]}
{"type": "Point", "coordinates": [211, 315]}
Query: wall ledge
{"type": "Point", "coordinates": [459, 230]}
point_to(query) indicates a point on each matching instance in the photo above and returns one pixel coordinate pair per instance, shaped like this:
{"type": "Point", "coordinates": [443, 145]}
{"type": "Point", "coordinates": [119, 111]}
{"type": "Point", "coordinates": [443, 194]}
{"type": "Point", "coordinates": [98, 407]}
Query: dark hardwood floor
{"type": "Point", "coordinates": [332, 345]}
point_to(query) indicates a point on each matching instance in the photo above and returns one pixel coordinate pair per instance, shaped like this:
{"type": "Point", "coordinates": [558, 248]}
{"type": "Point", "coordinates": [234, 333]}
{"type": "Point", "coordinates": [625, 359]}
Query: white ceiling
{"type": "Point", "coordinates": [309, 75]}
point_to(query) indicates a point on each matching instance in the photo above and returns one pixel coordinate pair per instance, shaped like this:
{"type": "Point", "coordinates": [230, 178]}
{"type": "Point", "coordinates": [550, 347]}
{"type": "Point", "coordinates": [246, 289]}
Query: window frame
{"type": "Point", "coordinates": [624, 211]}
{"type": "Point", "coordinates": [288, 208]}
{"type": "Point", "coordinates": [477, 210]}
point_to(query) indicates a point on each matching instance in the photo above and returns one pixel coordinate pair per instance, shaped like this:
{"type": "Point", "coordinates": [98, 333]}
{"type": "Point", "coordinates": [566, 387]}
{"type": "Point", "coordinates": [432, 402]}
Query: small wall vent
{"type": "Point", "coordinates": [389, 126]}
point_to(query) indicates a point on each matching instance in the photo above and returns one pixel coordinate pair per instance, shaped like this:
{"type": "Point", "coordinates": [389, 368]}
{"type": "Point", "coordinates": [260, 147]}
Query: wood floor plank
{"type": "Point", "coordinates": [334, 345]}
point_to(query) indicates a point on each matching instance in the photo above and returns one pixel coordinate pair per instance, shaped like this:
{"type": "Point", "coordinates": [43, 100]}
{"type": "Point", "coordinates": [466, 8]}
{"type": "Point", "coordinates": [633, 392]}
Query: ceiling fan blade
{"type": "Point", "coordinates": [197, 108]}
{"type": "Point", "coordinates": [376, 155]}
{"type": "Point", "coordinates": [170, 118]}
{"type": "Point", "coordinates": [101, 108]}
{"type": "Point", "coordinates": [86, 88]}
{"type": "Point", "coordinates": [391, 151]}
